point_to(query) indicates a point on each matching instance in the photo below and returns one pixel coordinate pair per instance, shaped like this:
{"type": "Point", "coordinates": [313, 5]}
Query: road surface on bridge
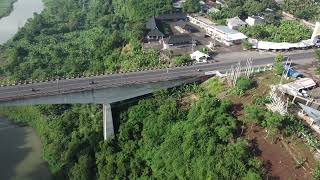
{"type": "Point", "coordinates": [8, 93]}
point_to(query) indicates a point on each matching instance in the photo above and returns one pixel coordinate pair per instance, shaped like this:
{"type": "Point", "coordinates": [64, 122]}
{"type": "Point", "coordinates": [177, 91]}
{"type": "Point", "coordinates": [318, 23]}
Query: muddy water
{"type": "Point", "coordinates": [20, 153]}
{"type": "Point", "coordinates": [22, 11]}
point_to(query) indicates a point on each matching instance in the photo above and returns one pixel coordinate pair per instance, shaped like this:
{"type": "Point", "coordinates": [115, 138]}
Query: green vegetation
{"type": "Point", "coordinates": [317, 54]}
{"type": "Point", "coordinates": [156, 139]}
{"type": "Point", "coordinates": [278, 67]}
{"type": "Point", "coordinates": [213, 86]}
{"type": "Point", "coordinates": [246, 45]}
{"type": "Point", "coordinates": [70, 37]}
{"type": "Point", "coordinates": [308, 10]}
{"type": "Point", "coordinates": [316, 172]}
{"type": "Point", "coordinates": [160, 137]}
{"type": "Point", "coordinates": [286, 31]}
{"type": "Point", "coordinates": [191, 6]}
{"type": "Point", "coordinates": [6, 7]}
{"type": "Point", "coordinates": [243, 84]}
{"type": "Point", "coordinates": [246, 8]}
{"type": "Point", "coordinates": [181, 60]}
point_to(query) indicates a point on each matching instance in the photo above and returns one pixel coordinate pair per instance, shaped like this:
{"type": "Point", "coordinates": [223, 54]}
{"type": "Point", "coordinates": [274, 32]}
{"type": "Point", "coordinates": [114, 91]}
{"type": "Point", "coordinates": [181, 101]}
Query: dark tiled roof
{"type": "Point", "coordinates": [180, 39]}
{"type": "Point", "coordinates": [173, 16]}
{"type": "Point", "coordinates": [181, 23]}
{"type": "Point", "coordinates": [155, 32]}
{"type": "Point", "coordinates": [152, 23]}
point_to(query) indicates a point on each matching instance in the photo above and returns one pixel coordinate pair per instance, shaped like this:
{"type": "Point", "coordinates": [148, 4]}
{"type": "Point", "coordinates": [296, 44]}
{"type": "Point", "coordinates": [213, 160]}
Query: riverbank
{"type": "Point", "coordinates": [22, 10]}
{"type": "Point", "coordinates": [20, 153]}
{"type": "Point", "coordinates": [6, 7]}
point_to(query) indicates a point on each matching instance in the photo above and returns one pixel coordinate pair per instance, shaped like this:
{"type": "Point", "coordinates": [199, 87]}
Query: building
{"type": "Point", "coordinates": [154, 33]}
{"type": "Point", "coordinates": [298, 87]}
{"type": "Point", "coordinates": [222, 34]}
{"type": "Point", "coordinates": [254, 20]}
{"type": "Point", "coordinates": [184, 27]}
{"type": "Point", "coordinates": [177, 41]}
{"type": "Point", "coordinates": [199, 56]}
{"type": "Point", "coordinates": [178, 4]}
{"type": "Point", "coordinates": [226, 35]}
{"type": "Point", "coordinates": [316, 34]}
{"type": "Point", "coordinates": [200, 21]}
{"type": "Point", "coordinates": [213, 10]}
{"type": "Point", "coordinates": [172, 17]}
{"type": "Point", "coordinates": [235, 23]}
{"type": "Point", "coordinates": [222, 3]}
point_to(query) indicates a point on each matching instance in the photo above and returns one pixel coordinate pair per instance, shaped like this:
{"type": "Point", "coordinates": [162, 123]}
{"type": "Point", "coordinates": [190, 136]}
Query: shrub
{"type": "Point", "coordinates": [246, 45]}
{"type": "Point", "coordinates": [181, 60]}
{"type": "Point", "coordinates": [245, 83]}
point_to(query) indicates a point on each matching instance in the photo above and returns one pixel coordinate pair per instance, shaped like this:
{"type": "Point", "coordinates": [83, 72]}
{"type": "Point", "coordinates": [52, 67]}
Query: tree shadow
{"type": "Point", "coordinates": [40, 172]}
{"type": "Point", "coordinates": [254, 147]}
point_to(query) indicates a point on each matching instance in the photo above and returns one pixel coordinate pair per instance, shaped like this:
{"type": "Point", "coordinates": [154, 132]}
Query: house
{"type": "Point", "coordinates": [178, 4]}
{"type": "Point", "coordinates": [226, 35]}
{"type": "Point", "coordinates": [222, 34]}
{"type": "Point", "coordinates": [200, 21]}
{"type": "Point", "coordinates": [298, 87]}
{"type": "Point", "coordinates": [235, 23]}
{"type": "Point", "coordinates": [154, 33]}
{"type": "Point", "coordinates": [199, 56]}
{"type": "Point", "coordinates": [177, 41]}
{"type": "Point", "coordinates": [184, 27]}
{"type": "Point", "coordinates": [172, 17]}
{"type": "Point", "coordinates": [152, 23]}
{"type": "Point", "coordinates": [213, 10]}
{"type": "Point", "coordinates": [254, 20]}
{"type": "Point", "coordinates": [222, 3]}
{"type": "Point", "coordinates": [316, 34]}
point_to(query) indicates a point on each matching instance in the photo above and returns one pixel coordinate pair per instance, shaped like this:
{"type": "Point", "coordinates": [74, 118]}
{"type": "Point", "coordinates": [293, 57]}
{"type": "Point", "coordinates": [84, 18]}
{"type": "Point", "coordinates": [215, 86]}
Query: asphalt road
{"type": "Point", "coordinates": [97, 82]}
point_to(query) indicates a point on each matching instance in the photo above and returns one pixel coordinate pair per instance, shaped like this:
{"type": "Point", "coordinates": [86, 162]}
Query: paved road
{"type": "Point", "coordinates": [81, 84]}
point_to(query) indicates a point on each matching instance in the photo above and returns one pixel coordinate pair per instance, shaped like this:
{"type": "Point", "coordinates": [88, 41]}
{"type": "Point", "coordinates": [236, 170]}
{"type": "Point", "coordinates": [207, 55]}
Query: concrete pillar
{"type": "Point", "coordinates": [108, 130]}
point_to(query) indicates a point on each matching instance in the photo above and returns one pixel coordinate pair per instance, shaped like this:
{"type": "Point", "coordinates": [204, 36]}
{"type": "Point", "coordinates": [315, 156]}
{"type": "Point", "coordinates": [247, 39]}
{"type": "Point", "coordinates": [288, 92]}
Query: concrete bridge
{"type": "Point", "coordinates": [111, 88]}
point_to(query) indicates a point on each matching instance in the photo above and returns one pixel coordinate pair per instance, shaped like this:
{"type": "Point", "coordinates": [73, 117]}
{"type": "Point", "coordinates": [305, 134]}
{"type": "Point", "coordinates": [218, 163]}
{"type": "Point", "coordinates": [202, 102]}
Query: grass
{"type": "Point", "coordinates": [213, 86]}
{"type": "Point", "coordinates": [6, 7]}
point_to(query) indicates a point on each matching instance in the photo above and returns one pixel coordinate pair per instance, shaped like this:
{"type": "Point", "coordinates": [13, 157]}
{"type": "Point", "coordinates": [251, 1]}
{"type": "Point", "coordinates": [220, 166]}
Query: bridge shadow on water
{"type": "Point", "coordinates": [17, 160]}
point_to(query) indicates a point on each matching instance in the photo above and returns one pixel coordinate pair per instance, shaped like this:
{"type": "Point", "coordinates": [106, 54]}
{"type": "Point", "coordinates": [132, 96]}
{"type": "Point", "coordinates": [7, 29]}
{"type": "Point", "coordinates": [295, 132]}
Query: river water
{"type": "Point", "coordinates": [20, 147]}
{"type": "Point", "coordinates": [22, 11]}
{"type": "Point", "coordinates": [20, 153]}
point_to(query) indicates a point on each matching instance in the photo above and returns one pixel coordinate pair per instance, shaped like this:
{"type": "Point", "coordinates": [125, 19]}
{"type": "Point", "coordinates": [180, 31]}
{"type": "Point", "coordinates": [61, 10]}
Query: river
{"type": "Point", "coordinates": [20, 149]}
{"type": "Point", "coordinates": [22, 11]}
{"type": "Point", "coordinates": [20, 153]}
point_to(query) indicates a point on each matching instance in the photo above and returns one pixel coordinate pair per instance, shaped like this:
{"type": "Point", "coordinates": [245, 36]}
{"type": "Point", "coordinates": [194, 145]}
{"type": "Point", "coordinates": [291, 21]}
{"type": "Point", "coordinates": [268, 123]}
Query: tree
{"type": "Point", "coordinates": [244, 83]}
{"type": "Point", "coordinates": [191, 6]}
{"type": "Point", "coordinates": [278, 67]}
{"type": "Point", "coordinates": [316, 172]}
{"type": "Point", "coordinates": [253, 115]}
{"type": "Point", "coordinates": [181, 60]}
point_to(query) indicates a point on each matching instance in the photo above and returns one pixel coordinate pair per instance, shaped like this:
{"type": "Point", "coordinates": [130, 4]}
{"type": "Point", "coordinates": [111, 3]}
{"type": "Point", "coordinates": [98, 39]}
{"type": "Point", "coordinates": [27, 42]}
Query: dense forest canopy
{"type": "Point", "coordinates": [306, 9]}
{"type": "Point", "coordinates": [87, 36]}
{"type": "Point", "coordinates": [158, 138]}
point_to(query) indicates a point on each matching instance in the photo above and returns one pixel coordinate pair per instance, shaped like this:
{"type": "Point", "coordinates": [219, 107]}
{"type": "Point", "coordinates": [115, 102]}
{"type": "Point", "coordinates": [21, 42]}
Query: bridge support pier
{"type": "Point", "coordinates": [108, 130]}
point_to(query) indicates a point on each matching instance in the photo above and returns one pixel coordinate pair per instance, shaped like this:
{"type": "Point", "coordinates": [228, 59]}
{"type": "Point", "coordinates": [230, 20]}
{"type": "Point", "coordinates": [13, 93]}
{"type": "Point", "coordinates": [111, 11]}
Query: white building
{"type": "Point", "coordinates": [235, 23]}
{"type": "Point", "coordinates": [200, 21]}
{"type": "Point", "coordinates": [316, 34]}
{"type": "Point", "coordinates": [178, 4]}
{"type": "Point", "coordinates": [298, 87]}
{"type": "Point", "coordinates": [199, 56]}
{"type": "Point", "coordinates": [222, 34]}
{"type": "Point", "coordinates": [254, 20]}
